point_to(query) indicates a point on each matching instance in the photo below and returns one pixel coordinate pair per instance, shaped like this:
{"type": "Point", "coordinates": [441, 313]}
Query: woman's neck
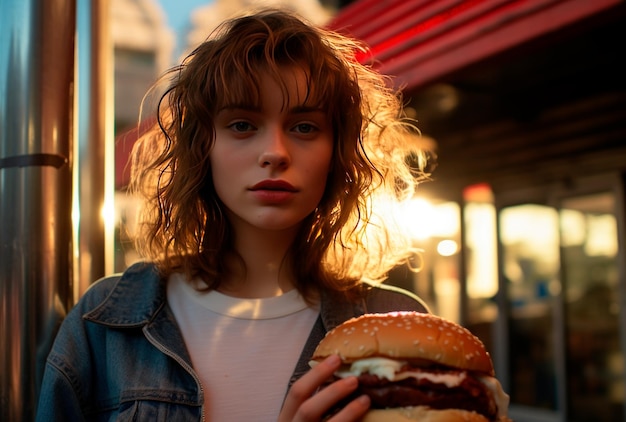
{"type": "Point", "coordinates": [267, 270]}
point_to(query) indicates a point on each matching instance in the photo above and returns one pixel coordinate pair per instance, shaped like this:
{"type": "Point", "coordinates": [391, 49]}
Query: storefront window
{"type": "Point", "coordinates": [530, 245]}
{"type": "Point", "coordinates": [595, 364]}
{"type": "Point", "coordinates": [562, 297]}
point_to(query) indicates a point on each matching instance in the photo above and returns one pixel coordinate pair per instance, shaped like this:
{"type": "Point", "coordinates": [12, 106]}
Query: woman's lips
{"type": "Point", "coordinates": [273, 191]}
{"type": "Point", "coordinates": [279, 185]}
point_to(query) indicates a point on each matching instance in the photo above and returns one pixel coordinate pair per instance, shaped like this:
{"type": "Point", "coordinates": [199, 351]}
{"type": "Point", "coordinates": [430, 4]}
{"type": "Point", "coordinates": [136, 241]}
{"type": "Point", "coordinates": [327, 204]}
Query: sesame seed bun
{"type": "Point", "coordinates": [406, 335]}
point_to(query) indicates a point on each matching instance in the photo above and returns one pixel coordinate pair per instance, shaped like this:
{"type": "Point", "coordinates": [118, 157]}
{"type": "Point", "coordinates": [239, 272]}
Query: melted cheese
{"type": "Point", "coordinates": [450, 380]}
{"type": "Point", "coordinates": [382, 367]}
{"type": "Point", "coordinates": [390, 369]}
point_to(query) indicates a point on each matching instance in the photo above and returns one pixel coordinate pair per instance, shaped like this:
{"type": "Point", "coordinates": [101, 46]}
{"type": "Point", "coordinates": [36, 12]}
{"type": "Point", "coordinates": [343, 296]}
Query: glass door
{"type": "Point", "coordinates": [529, 240]}
{"type": "Point", "coordinates": [589, 267]}
{"type": "Point", "coordinates": [560, 277]}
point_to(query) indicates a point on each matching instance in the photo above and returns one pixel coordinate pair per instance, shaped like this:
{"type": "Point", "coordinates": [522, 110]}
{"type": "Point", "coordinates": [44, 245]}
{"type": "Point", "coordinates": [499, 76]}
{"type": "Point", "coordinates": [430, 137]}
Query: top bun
{"type": "Point", "coordinates": [406, 335]}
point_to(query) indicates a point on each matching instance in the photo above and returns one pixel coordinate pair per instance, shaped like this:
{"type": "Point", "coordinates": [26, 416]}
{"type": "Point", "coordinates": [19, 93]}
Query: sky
{"type": "Point", "coordinates": [177, 15]}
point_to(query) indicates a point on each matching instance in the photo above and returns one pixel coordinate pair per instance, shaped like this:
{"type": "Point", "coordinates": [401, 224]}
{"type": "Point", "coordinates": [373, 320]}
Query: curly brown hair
{"type": "Point", "coordinates": [183, 225]}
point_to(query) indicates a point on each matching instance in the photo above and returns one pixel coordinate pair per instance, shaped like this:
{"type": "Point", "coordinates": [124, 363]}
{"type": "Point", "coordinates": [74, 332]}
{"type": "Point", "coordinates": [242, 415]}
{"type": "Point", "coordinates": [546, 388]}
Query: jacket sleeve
{"type": "Point", "coordinates": [57, 400]}
{"type": "Point", "coordinates": [66, 383]}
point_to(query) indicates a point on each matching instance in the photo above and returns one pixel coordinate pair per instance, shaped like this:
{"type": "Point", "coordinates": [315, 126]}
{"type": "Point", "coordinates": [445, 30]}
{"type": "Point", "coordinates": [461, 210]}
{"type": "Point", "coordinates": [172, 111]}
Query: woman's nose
{"type": "Point", "coordinates": [275, 152]}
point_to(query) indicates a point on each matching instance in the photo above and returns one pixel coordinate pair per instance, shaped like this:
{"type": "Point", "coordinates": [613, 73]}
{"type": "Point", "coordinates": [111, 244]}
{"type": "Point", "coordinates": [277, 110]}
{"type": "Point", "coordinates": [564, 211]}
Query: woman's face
{"type": "Point", "coordinates": [270, 164]}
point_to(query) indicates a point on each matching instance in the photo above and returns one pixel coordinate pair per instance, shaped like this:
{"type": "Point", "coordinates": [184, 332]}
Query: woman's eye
{"type": "Point", "coordinates": [241, 126]}
{"type": "Point", "coordinates": [305, 128]}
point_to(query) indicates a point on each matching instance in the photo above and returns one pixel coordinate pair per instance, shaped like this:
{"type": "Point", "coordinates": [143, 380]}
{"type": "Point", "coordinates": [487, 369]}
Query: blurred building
{"type": "Point", "coordinates": [143, 47]}
{"type": "Point", "coordinates": [526, 101]}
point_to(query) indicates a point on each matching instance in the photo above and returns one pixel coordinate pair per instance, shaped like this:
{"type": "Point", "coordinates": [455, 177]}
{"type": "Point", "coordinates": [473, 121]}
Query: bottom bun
{"type": "Point", "coordinates": [422, 414]}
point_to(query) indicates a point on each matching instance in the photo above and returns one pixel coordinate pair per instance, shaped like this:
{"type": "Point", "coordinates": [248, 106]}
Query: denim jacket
{"type": "Point", "coordinates": [120, 356]}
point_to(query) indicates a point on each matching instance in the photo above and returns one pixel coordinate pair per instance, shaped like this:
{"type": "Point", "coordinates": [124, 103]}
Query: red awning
{"type": "Point", "coordinates": [417, 41]}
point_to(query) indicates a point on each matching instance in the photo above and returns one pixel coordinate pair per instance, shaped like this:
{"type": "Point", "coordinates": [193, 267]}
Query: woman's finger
{"type": "Point", "coordinates": [307, 385]}
{"type": "Point", "coordinates": [322, 402]}
{"type": "Point", "coordinates": [307, 402]}
{"type": "Point", "coordinates": [353, 411]}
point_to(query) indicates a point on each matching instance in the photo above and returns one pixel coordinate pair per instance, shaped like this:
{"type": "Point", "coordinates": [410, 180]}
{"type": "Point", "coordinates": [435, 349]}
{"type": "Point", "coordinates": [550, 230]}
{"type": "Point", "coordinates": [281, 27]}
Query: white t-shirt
{"type": "Point", "coordinates": [243, 350]}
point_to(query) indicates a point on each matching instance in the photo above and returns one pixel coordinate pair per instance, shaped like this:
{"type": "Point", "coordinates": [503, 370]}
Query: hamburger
{"type": "Point", "coordinates": [417, 367]}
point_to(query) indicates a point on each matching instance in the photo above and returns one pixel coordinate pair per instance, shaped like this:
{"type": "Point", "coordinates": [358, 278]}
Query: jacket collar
{"type": "Point", "coordinates": [134, 299]}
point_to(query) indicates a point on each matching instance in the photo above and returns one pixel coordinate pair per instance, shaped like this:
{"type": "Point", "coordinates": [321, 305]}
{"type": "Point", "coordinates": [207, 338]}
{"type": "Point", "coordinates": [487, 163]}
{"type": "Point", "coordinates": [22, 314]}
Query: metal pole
{"type": "Point", "coordinates": [36, 84]}
{"type": "Point", "coordinates": [94, 136]}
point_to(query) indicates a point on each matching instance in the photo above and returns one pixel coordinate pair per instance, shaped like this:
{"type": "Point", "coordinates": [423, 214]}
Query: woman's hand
{"type": "Point", "coordinates": [304, 403]}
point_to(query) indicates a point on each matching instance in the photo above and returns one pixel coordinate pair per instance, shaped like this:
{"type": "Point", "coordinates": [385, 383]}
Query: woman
{"type": "Point", "coordinates": [265, 182]}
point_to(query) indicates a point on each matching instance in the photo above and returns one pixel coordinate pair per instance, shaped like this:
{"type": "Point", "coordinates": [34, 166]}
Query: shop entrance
{"type": "Point", "coordinates": [562, 285]}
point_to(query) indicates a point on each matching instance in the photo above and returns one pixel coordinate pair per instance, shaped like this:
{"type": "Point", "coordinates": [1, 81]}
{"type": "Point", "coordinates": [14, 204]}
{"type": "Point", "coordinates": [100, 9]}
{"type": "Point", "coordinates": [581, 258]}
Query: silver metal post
{"type": "Point", "coordinates": [36, 84]}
